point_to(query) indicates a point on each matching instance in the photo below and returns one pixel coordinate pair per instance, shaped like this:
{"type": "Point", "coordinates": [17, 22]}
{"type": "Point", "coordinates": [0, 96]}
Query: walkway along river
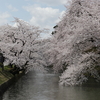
{"type": "Point", "coordinates": [39, 86]}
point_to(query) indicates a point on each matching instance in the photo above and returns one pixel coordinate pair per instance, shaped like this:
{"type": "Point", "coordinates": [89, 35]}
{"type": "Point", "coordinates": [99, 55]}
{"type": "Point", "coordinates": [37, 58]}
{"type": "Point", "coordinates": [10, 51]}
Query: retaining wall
{"type": "Point", "coordinates": [6, 85]}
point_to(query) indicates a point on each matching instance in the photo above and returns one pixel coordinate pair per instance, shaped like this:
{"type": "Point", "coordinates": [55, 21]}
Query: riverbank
{"type": "Point", "coordinates": [5, 76]}
{"type": "Point", "coordinates": [7, 79]}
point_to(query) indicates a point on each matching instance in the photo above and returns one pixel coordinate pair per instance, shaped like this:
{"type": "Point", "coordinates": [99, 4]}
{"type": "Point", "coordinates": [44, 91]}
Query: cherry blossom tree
{"type": "Point", "coordinates": [73, 49]}
{"type": "Point", "coordinates": [76, 49]}
{"type": "Point", "coordinates": [20, 45]}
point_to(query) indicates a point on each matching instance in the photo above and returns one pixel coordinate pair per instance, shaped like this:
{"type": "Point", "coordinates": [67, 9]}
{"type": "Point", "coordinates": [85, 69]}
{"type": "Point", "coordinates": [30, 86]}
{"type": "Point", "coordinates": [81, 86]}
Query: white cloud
{"type": "Point", "coordinates": [3, 18]}
{"type": "Point", "coordinates": [64, 1]}
{"type": "Point", "coordinates": [60, 16]}
{"type": "Point", "coordinates": [43, 17]}
{"type": "Point", "coordinates": [12, 8]}
{"type": "Point", "coordinates": [52, 2]}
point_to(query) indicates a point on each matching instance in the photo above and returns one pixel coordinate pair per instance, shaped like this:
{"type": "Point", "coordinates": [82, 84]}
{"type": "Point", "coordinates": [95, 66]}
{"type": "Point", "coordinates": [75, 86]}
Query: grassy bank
{"type": "Point", "coordinates": [5, 75]}
{"type": "Point", "coordinates": [9, 76]}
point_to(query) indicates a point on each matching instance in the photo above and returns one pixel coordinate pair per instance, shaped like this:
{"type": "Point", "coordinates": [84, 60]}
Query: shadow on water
{"type": "Point", "coordinates": [1, 98]}
{"type": "Point", "coordinates": [92, 83]}
{"type": "Point", "coordinates": [45, 86]}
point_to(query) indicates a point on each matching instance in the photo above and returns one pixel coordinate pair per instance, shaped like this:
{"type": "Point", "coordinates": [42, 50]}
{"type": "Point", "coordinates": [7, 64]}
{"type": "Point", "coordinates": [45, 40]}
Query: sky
{"type": "Point", "coordinates": [42, 13]}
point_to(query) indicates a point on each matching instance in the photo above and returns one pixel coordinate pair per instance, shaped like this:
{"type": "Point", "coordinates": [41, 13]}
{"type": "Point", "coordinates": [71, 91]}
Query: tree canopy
{"type": "Point", "coordinates": [20, 45]}
{"type": "Point", "coordinates": [73, 49]}
{"type": "Point", "coordinates": [76, 43]}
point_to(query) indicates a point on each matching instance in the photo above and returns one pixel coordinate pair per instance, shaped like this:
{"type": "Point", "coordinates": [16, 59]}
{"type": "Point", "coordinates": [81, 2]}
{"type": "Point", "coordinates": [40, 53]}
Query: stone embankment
{"type": "Point", "coordinates": [7, 79]}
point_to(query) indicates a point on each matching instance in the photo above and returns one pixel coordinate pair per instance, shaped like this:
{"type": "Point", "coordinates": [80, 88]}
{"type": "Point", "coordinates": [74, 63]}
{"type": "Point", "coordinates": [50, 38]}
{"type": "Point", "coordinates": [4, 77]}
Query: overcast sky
{"type": "Point", "coordinates": [43, 13]}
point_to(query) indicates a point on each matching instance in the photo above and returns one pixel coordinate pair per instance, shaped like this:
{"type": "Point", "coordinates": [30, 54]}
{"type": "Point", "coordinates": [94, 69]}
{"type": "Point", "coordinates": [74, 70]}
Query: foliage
{"type": "Point", "coordinates": [74, 48]}
{"type": "Point", "coordinates": [76, 43]}
{"type": "Point", "coordinates": [20, 45]}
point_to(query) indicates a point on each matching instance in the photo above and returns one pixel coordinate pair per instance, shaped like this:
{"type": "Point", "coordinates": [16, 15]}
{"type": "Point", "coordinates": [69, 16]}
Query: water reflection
{"type": "Point", "coordinates": [45, 87]}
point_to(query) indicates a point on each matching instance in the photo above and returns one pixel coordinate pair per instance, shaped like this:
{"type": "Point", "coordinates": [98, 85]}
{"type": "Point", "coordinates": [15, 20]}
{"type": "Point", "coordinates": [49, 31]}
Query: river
{"type": "Point", "coordinates": [44, 86]}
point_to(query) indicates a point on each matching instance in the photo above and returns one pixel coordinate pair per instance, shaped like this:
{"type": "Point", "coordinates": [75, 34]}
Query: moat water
{"type": "Point", "coordinates": [45, 86]}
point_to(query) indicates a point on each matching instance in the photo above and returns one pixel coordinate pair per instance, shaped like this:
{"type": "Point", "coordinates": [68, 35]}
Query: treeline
{"type": "Point", "coordinates": [73, 49]}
